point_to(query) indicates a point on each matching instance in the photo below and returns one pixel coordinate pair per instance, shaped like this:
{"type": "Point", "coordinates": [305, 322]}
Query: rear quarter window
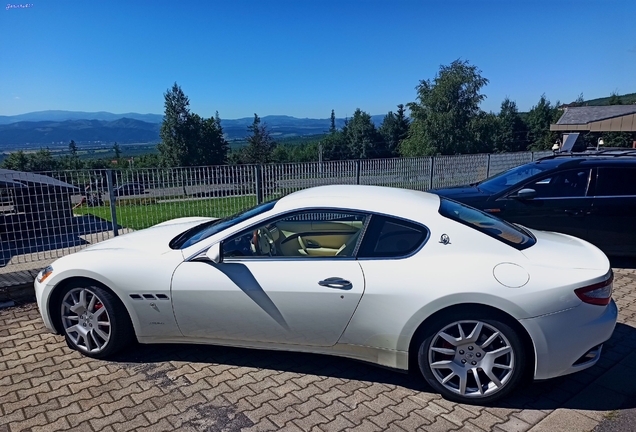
{"type": "Point", "coordinates": [616, 181]}
{"type": "Point", "coordinates": [490, 225]}
{"type": "Point", "coordinates": [388, 237]}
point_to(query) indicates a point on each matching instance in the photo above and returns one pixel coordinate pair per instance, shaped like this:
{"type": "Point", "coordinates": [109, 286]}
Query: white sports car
{"type": "Point", "coordinates": [396, 277]}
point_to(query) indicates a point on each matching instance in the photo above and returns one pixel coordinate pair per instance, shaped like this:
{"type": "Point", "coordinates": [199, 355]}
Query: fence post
{"type": "Point", "coordinates": [430, 180]}
{"type": "Point", "coordinates": [112, 200]}
{"type": "Point", "coordinates": [258, 169]}
{"type": "Point", "coordinates": [488, 167]}
{"type": "Point", "coordinates": [358, 169]}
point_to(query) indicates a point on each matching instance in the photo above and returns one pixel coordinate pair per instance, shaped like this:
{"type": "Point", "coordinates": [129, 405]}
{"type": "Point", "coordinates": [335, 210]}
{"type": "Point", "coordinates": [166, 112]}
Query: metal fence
{"type": "Point", "coordinates": [47, 215]}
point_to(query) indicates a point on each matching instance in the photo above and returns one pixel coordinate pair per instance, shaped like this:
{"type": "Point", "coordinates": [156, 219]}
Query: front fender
{"type": "Point", "coordinates": [125, 273]}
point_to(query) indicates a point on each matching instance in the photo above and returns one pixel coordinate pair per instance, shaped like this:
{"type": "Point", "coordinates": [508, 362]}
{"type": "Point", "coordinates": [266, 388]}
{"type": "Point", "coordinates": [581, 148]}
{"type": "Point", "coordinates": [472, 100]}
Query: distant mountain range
{"type": "Point", "coordinates": [36, 134]}
{"type": "Point", "coordinates": [61, 116]}
{"type": "Point", "coordinates": [58, 128]}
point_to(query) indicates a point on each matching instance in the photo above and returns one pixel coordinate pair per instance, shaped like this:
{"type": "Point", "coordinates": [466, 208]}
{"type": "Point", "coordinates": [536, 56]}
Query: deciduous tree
{"type": "Point", "coordinates": [538, 122]}
{"type": "Point", "coordinates": [510, 134]}
{"type": "Point", "coordinates": [444, 115]}
{"type": "Point", "coordinates": [615, 99]}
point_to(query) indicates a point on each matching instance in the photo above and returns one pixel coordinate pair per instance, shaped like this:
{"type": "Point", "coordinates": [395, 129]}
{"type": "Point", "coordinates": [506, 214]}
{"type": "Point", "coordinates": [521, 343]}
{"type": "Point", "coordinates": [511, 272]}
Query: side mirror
{"type": "Point", "coordinates": [214, 253]}
{"type": "Point", "coordinates": [525, 193]}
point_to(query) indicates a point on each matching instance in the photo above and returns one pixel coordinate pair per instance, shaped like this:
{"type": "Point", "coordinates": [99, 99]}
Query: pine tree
{"type": "Point", "coordinates": [260, 143]}
{"type": "Point", "coordinates": [176, 128]}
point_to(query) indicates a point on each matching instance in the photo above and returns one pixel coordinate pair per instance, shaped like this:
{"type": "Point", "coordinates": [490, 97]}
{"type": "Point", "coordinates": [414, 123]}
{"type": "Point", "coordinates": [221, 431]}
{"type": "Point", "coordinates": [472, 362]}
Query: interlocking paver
{"type": "Point", "coordinates": [309, 406]}
{"type": "Point", "coordinates": [284, 417]}
{"type": "Point", "coordinates": [45, 386]}
{"type": "Point", "coordinates": [308, 422]}
{"type": "Point", "coordinates": [385, 417]}
{"type": "Point", "coordinates": [361, 413]}
{"type": "Point", "coordinates": [514, 424]}
{"type": "Point", "coordinates": [336, 425]}
{"type": "Point", "coordinates": [134, 424]}
{"type": "Point", "coordinates": [58, 425]}
{"type": "Point", "coordinates": [412, 422]}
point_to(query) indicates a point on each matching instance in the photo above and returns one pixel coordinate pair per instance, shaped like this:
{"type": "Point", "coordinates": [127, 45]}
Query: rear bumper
{"type": "Point", "coordinates": [569, 341]}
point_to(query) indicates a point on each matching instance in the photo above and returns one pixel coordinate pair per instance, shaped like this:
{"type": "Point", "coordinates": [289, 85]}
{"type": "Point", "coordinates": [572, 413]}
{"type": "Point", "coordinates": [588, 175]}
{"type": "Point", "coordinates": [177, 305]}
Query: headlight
{"type": "Point", "coordinates": [44, 273]}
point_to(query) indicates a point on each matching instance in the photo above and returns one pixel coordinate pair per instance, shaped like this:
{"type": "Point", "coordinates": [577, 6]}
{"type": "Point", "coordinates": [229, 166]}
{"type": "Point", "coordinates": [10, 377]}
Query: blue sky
{"type": "Point", "coordinates": [306, 57]}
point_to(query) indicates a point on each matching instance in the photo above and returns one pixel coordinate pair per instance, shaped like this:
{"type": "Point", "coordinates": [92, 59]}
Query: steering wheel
{"type": "Point", "coordinates": [263, 242]}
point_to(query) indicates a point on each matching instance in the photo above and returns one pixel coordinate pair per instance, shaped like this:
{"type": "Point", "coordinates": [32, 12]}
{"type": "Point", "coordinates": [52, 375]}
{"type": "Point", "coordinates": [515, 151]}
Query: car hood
{"type": "Point", "coordinates": [565, 251]}
{"type": "Point", "coordinates": [465, 194]}
{"type": "Point", "coordinates": [153, 240]}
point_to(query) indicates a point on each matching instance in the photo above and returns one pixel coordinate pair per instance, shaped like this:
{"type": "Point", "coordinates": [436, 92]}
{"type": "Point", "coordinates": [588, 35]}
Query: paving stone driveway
{"type": "Point", "coordinates": [45, 386]}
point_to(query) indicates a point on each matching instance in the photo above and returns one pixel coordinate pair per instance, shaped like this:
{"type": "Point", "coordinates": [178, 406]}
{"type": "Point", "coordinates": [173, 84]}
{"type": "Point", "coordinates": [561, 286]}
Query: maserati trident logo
{"type": "Point", "coordinates": [444, 239]}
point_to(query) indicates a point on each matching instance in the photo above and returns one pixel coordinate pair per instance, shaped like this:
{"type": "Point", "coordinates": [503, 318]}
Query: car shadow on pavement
{"type": "Point", "coordinates": [609, 385]}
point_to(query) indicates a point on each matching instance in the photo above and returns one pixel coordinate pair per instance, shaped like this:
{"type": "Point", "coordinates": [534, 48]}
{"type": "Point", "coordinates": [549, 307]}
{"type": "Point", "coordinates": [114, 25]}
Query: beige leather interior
{"type": "Point", "coordinates": [320, 239]}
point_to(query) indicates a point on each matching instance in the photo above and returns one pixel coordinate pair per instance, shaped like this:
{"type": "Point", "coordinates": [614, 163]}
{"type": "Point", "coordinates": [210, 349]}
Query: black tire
{"type": "Point", "coordinates": [466, 353]}
{"type": "Point", "coordinates": [93, 320]}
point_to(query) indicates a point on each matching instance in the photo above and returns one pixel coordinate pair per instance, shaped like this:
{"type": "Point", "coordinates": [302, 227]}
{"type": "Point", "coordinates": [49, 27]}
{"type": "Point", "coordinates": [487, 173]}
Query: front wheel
{"type": "Point", "coordinates": [472, 360]}
{"type": "Point", "coordinates": [95, 322]}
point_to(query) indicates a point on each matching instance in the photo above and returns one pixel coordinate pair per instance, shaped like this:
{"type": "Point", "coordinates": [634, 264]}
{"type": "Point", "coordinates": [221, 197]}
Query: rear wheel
{"type": "Point", "coordinates": [472, 359]}
{"type": "Point", "coordinates": [95, 322]}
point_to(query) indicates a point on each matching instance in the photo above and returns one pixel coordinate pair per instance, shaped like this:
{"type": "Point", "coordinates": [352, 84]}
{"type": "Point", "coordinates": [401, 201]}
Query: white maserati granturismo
{"type": "Point", "coordinates": [396, 277]}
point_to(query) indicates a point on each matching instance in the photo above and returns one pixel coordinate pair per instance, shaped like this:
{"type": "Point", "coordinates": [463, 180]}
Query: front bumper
{"type": "Point", "coordinates": [569, 341]}
{"type": "Point", "coordinates": [41, 296]}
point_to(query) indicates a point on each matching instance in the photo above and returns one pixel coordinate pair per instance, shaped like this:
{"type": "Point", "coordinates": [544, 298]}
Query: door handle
{"type": "Point", "coordinates": [576, 212]}
{"type": "Point", "coordinates": [336, 282]}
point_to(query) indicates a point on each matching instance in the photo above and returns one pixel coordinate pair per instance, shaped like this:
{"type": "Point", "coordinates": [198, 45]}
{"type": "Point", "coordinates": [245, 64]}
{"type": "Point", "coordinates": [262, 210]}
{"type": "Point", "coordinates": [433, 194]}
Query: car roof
{"type": "Point", "coordinates": [404, 203]}
{"type": "Point", "coordinates": [590, 160]}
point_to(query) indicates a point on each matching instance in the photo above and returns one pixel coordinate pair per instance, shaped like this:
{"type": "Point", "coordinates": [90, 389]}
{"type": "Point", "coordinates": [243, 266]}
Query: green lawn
{"type": "Point", "coordinates": [143, 216]}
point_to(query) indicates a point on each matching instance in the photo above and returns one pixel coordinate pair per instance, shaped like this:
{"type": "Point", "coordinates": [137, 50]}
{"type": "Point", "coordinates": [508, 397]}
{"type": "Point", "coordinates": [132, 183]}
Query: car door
{"type": "Point", "coordinates": [613, 214]}
{"type": "Point", "coordinates": [560, 204]}
{"type": "Point", "coordinates": [269, 289]}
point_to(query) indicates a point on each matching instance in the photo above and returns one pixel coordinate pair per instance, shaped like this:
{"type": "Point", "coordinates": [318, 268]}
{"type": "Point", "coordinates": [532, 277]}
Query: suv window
{"type": "Point", "coordinates": [513, 176]}
{"type": "Point", "coordinates": [307, 234]}
{"type": "Point", "coordinates": [388, 237]}
{"type": "Point", "coordinates": [616, 182]}
{"type": "Point", "coordinates": [570, 183]}
{"type": "Point", "coordinates": [487, 224]}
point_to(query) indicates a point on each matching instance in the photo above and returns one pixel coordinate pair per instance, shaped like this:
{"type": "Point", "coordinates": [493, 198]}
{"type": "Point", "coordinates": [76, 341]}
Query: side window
{"type": "Point", "coordinates": [570, 183]}
{"type": "Point", "coordinates": [616, 182]}
{"type": "Point", "coordinates": [309, 234]}
{"type": "Point", "coordinates": [388, 237]}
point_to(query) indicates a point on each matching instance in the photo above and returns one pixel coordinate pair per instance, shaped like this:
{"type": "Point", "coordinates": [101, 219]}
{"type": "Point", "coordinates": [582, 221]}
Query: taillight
{"type": "Point", "coordinates": [597, 294]}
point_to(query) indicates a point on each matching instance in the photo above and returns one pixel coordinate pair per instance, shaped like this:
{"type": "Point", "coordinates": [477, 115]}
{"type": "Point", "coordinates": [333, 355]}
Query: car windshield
{"type": "Point", "coordinates": [490, 225]}
{"type": "Point", "coordinates": [207, 229]}
{"type": "Point", "coordinates": [512, 177]}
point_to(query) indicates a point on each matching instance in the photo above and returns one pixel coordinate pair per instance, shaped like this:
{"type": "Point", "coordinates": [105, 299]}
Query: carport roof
{"type": "Point", "coordinates": [612, 118]}
{"type": "Point", "coordinates": [20, 179]}
{"type": "Point", "coordinates": [583, 115]}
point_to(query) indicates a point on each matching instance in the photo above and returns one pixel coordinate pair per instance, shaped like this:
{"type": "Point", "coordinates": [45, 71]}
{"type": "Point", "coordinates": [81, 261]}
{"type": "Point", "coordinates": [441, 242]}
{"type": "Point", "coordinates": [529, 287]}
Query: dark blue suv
{"type": "Point", "coordinates": [588, 195]}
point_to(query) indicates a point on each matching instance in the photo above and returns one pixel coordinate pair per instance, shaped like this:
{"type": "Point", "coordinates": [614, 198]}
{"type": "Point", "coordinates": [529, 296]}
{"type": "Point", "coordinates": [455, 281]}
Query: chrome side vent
{"type": "Point", "coordinates": [149, 297]}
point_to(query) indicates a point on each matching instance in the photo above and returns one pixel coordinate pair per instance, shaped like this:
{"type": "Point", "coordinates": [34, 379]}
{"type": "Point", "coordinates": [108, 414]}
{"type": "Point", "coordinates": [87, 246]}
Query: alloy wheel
{"type": "Point", "coordinates": [86, 320]}
{"type": "Point", "coordinates": [472, 359]}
